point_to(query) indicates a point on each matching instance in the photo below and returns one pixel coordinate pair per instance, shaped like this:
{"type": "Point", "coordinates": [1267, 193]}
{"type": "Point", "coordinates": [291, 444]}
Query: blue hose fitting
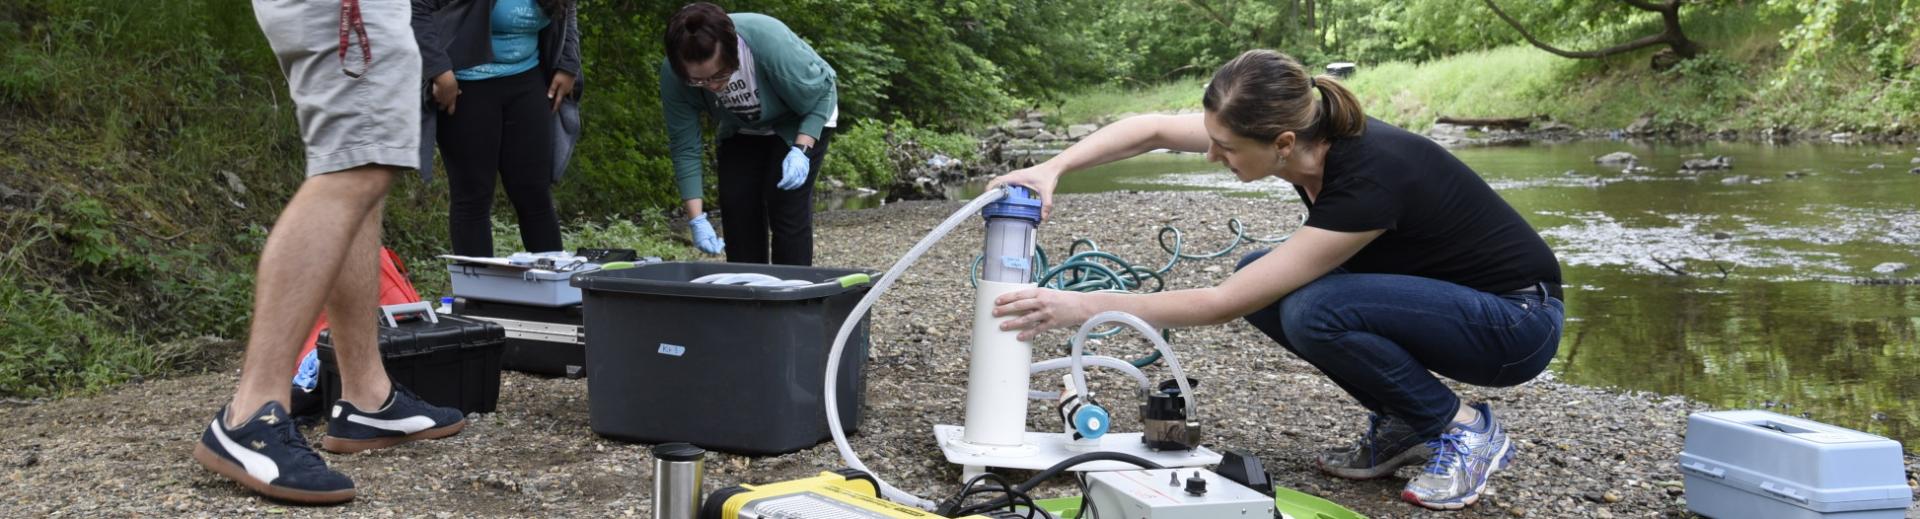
{"type": "Point", "coordinates": [1091, 421]}
{"type": "Point", "coordinates": [1019, 203]}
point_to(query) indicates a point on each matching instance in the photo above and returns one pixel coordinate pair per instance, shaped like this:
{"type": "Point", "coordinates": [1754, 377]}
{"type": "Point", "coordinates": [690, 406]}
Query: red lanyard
{"type": "Point", "coordinates": [351, 24]}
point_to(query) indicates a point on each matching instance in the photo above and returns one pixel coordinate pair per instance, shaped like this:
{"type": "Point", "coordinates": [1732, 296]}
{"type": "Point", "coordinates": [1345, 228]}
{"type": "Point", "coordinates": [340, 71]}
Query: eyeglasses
{"type": "Point", "coordinates": [719, 78]}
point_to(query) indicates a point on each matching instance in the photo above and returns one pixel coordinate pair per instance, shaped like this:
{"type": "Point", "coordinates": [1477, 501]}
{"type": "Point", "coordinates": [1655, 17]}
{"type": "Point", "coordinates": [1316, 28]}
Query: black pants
{"type": "Point", "coordinates": [752, 203]}
{"type": "Point", "coordinates": [500, 126]}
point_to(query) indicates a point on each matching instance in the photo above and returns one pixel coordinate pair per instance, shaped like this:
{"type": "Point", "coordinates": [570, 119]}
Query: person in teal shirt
{"type": "Point", "coordinates": [775, 102]}
{"type": "Point", "coordinates": [502, 75]}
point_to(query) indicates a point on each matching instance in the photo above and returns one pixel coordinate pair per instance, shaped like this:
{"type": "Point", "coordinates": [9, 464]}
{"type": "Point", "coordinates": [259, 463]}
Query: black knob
{"type": "Point", "coordinates": [1196, 486]}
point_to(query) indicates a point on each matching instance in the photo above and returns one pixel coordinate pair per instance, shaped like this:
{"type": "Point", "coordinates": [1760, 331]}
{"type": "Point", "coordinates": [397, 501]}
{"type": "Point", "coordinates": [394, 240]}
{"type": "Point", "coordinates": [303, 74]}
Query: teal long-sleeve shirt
{"type": "Point", "coordinates": [796, 89]}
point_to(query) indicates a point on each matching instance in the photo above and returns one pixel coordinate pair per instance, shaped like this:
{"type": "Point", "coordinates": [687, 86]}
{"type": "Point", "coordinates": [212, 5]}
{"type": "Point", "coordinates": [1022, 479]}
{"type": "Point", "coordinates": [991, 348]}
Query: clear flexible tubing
{"type": "Point", "coordinates": [830, 396]}
{"type": "Point", "coordinates": [1120, 365]}
{"type": "Point", "coordinates": [1138, 324]}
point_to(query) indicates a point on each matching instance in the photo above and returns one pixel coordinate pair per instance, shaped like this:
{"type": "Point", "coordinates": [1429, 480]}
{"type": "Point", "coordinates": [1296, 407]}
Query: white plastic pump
{"type": "Point", "coordinates": [1001, 365]}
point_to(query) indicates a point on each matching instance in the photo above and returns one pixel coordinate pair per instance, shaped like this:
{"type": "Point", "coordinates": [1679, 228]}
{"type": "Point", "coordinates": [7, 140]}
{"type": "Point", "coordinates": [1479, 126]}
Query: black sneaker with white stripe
{"type": "Point", "coordinates": [268, 455]}
{"type": "Point", "coordinates": [403, 418]}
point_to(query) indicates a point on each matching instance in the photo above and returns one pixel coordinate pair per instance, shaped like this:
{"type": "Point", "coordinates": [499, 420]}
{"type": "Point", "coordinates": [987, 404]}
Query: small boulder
{"type": "Point", "coordinates": [1617, 158]}
{"type": "Point", "coordinates": [1841, 137]}
{"type": "Point", "coordinates": [1080, 131]}
{"type": "Point", "coordinates": [1876, 165]}
{"type": "Point", "coordinates": [939, 161]}
{"type": "Point", "coordinates": [1719, 162]}
{"type": "Point", "coordinates": [1889, 268]}
{"type": "Point", "coordinates": [1640, 126]}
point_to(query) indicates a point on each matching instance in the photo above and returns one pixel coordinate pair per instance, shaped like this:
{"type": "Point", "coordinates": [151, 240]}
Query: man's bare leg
{"type": "Point", "coordinates": [297, 271]}
{"type": "Point", "coordinates": [350, 313]}
{"type": "Point", "coordinates": [372, 412]}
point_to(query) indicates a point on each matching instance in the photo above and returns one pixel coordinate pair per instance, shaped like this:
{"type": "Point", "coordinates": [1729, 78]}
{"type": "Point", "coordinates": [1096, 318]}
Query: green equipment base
{"type": "Point", "coordinates": [1295, 504]}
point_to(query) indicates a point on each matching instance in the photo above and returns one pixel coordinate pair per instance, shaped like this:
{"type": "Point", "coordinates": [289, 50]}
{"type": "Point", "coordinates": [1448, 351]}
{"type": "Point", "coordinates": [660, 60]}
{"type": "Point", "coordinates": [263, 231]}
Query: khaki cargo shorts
{"type": "Point", "coordinates": [348, 121]}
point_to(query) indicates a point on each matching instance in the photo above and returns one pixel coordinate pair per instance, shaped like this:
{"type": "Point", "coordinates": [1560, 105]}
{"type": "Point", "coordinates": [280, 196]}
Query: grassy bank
{"type": "Point", "coordinates": [1742, 83]}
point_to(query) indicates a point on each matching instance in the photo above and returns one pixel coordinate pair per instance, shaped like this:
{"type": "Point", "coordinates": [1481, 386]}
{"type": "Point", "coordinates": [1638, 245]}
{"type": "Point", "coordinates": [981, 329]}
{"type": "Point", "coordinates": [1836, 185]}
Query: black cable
{"type": "Point", "coordinates": [1012, 500]}
{"type": "Point", "coordinates": [951, 509]}
{"type": "Point", "coordinates": [1018, 492]}
{"type": "Point", "coordinates": [1012, 503]}
{"type": "Point", "coordinates": [1087, 510]}
{"type": "Point", "coordinates": [1068, 463]}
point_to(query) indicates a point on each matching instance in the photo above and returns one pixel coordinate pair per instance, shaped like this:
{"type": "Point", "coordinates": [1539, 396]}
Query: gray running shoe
{"type": "Point", "coordinates": [1463, 459]}
{"type": "Point", "coordinates": [1390, 443]}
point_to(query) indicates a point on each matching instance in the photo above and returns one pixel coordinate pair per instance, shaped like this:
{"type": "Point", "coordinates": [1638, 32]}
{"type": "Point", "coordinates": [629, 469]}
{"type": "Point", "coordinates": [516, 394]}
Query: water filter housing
{"type": "Point", "coordinates": [1010, 236]}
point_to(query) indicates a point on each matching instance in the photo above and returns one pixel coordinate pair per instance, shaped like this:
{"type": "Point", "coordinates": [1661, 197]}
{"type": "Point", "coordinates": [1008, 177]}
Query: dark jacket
{"type": "Point", "coordinates": [457, 34]}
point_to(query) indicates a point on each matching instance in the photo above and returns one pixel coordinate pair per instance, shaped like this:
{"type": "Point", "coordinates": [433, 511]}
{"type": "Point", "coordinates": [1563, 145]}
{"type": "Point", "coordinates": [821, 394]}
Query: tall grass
{"type": "Point", "coordinates": [1102, 102]}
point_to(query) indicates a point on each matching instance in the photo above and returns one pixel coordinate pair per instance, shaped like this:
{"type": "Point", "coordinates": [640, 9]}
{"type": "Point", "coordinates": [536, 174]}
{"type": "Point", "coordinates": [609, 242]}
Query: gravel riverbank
{"type": "Point", "coordinates": [1583, 452]}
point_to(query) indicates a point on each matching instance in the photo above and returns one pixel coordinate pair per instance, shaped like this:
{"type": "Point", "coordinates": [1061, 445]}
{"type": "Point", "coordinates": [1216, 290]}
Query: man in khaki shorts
{"type": "Point", "coordinates": [354, 72]}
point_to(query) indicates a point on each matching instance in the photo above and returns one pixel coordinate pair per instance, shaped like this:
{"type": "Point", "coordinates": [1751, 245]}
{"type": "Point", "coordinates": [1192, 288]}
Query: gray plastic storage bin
{"type": "Point", "coordinates": [513, 285]}
{"type": "Point", "coordinates": [1741, 464]}
{"type": "Point", "coordinates": [730, 368]}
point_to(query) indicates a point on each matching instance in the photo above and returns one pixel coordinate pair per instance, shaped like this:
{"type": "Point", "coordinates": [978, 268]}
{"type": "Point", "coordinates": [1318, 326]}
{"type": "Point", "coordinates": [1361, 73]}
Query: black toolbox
{"type": "Point", "coordinates": [540, 340]}
{"type": "Point", "coordinates": [446, 359]}
{"type": "Point", "coordinates": [729, 368]}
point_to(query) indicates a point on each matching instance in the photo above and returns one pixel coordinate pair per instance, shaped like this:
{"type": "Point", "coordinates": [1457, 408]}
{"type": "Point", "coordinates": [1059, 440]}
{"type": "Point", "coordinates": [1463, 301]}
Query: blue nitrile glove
{"type": "Point", "coordinates": [703, 237]}
{"type": "Point", "coordinates": [793, 170]}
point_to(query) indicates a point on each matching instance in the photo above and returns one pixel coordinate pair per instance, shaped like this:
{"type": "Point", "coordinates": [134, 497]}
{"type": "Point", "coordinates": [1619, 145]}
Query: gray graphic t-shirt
{"type": "Point", "coordinates": [742, 96]}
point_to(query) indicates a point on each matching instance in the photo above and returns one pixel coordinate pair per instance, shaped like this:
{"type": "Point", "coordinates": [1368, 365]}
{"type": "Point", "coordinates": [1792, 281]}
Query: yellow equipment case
{"type": "Point", "coordinates": [840, 494]}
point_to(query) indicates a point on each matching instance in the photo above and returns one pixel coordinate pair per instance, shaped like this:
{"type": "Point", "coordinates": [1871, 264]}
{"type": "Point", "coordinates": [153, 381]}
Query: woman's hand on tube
{"type": "Point", "coordinates": [1040, 309]}
{"type": "Point", "coordinates": [561, 86]}
{"type": "Point", "coordinates": [446, 90]}
{"type": "Point", "coordinates": [1040, 178]}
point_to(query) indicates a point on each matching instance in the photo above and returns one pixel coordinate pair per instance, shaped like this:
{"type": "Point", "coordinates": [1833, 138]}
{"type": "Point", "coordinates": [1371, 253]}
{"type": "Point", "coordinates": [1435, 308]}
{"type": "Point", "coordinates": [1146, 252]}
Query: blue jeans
{"type": "Point", "coordinates": [1379, 335]}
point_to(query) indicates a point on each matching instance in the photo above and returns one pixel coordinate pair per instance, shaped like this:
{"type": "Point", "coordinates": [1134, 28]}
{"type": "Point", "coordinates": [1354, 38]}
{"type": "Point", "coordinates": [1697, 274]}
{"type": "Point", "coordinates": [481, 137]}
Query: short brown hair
{"type": "Point", "coordinates": [694, 33]}
{"type": "Point", "coordinates": [1263, 93]}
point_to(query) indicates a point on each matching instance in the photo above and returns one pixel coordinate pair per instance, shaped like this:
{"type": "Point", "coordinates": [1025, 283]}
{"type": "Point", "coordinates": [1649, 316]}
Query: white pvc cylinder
{"type": "Point", "coordinates": [997, 373]}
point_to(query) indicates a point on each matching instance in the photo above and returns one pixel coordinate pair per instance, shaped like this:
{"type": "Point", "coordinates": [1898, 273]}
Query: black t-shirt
{"type": "Point", "coordinates": [1442, 220]}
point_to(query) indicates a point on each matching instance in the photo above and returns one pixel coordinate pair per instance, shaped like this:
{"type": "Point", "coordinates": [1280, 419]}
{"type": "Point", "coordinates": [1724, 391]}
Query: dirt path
{"type": "Point", "coordinates": [1583, 452]}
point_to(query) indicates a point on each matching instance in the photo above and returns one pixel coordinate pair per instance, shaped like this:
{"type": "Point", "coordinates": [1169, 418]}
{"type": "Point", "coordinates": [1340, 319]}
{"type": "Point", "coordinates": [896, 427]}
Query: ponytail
{"type": "Point", "coordinates": [1340, 114]}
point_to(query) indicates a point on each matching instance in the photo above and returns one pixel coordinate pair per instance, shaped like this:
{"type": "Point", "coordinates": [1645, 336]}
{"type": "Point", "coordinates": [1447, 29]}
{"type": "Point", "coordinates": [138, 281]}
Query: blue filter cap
{"type": "Point", "coordinates": [1019, 203]}
{"type": "Point", "coordinates": [1092, 421]}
